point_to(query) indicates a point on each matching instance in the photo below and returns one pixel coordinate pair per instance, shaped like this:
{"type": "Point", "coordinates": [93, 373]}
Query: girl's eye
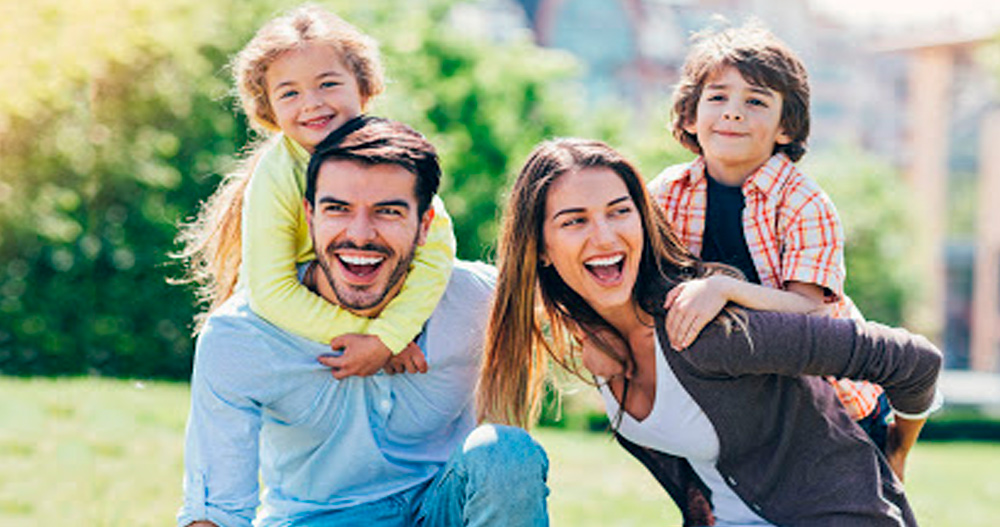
{"type": "Point", "coordinates": [287, 94]}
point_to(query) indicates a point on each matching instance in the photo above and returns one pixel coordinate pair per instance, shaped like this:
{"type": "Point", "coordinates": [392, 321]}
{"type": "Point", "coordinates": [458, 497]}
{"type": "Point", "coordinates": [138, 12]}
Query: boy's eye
{"type": "Point", "coordinates": [715, 97]}
{"type": "Point", "coordinates": [329, 84]}
{"type": "Point", "coordinates": [757, 102]}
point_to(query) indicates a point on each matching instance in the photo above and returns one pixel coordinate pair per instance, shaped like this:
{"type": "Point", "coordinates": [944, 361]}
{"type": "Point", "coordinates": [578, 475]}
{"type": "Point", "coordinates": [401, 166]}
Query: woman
{"type": "Point", "coordinates": [737, 429]}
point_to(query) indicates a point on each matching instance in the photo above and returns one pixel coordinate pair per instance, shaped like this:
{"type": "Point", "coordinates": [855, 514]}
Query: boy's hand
{"type": "Point", "coordinates": [692, 305]}
{"type": "Point", "coordinates": [410, 360]}
{"type": "Point", "coordinates": [360, 355]}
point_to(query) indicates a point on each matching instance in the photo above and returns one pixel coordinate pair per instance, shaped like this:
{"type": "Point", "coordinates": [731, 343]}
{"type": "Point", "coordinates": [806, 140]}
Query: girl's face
{"type": "Point", "coordinates": [312, 93]}
{"type": "Point", "coordinates": [593, 237]}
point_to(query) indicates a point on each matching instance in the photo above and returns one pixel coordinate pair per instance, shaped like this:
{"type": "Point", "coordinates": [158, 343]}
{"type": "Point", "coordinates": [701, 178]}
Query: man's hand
{"type": "Point", "coordinates": [410, 360]}
{"type": "Point", "coordinates": [360, 355]}
{"type": "Point", "coordinates": [692, 305]}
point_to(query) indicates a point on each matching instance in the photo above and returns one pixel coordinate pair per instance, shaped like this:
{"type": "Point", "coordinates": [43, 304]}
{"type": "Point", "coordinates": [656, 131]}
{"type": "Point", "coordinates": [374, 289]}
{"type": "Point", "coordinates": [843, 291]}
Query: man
{"type": "Point", "coordinates": [380, 450]}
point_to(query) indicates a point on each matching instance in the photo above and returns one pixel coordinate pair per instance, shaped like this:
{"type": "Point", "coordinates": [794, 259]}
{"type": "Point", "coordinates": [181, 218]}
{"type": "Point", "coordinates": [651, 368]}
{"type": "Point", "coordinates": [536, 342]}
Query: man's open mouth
{"type": "Point", "coordinates": [361, 266]}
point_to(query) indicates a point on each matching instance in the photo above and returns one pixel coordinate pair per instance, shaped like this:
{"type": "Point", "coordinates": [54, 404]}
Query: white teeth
{"type": "Point", "coordinates": [601, 262]}
{"type": "Point", "coordinates": [362, 260]}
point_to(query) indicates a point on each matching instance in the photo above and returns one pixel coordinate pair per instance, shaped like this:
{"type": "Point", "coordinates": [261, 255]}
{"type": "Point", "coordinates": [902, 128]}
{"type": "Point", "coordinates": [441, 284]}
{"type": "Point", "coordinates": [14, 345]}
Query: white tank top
{"type": "Point", "coordinates": [676, 425]}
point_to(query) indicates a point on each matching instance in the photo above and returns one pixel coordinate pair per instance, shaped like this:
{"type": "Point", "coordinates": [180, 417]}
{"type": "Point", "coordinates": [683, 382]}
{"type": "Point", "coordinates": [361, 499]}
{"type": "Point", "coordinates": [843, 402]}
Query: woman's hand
{"type": "Point", "coordinates": [692, 305]}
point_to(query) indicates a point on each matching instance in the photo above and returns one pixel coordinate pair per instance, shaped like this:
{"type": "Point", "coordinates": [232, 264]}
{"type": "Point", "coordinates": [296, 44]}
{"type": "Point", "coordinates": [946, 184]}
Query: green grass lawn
{"type": "Point", "coordinates": [107, 453]}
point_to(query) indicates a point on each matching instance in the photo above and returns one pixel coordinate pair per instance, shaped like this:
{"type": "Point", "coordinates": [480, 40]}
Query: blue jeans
{"type": "Point", "coordinates": [496, 478]}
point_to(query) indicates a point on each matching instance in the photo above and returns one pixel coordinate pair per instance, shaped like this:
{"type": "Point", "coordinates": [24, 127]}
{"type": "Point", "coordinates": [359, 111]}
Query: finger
{"type": "Point", "coordinates": [331, 361]}
{"type": "Point", "coordinates": [671, 296]}
{"type": "Point", "coordinates": [420, 362]}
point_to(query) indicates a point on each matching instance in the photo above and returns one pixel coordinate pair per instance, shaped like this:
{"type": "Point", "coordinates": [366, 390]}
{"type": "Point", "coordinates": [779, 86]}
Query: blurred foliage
{"type": "Point", "coordinates": [874, 205]}
{"type": "Point", "coordinates": [118, 119]}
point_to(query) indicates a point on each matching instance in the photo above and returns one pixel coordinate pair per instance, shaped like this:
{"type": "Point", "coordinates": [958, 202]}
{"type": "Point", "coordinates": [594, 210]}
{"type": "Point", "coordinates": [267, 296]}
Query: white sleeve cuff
{"type": "Point", "coordinates": [935, 406]}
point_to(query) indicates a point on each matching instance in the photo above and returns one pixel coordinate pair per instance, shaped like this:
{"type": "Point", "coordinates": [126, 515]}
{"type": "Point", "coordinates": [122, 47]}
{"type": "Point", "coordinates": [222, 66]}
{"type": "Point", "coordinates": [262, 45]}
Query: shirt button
{"type": "Point", "coordinates": [731, 480]}
{"type": "Point", "coordinates": [386, 405]}
{"type": "Point", "coordinates": [756, 506]}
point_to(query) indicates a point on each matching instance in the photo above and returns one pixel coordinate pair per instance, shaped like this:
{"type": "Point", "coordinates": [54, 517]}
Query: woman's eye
{"type": "Point", "coordinates": [572, 221]}
{"type": "Point", "coordinates": [621, 211]}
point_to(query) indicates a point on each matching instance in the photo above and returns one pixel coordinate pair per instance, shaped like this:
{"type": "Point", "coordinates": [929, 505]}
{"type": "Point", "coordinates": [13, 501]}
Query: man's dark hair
{"type": "Point", "coordinates": [377, 141]}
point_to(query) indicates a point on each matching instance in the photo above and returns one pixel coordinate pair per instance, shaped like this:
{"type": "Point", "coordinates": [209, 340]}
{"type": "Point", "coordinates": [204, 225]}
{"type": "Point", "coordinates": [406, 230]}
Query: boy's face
{"type": "Point", "coordinates": [312, 93]}
{"type": "Point", "coordinates": [737, 125]}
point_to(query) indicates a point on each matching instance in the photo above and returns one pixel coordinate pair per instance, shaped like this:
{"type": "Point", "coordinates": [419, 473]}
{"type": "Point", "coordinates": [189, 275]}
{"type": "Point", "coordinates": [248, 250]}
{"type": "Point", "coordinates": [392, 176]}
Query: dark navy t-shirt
{"type": "Point", "coordinates": [724, 241]}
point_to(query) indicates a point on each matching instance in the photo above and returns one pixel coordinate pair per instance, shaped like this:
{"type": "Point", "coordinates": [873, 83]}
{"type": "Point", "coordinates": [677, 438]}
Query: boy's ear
{"type": "Point", "coordinates": [783, 138]}
{"type": "Point", "coordinates": [691, 127]}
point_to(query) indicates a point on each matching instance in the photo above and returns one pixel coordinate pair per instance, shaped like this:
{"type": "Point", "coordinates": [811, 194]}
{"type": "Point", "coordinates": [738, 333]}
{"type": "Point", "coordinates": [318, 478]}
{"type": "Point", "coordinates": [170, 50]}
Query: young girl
{"type": "Point", "coordinates": [302, 76]}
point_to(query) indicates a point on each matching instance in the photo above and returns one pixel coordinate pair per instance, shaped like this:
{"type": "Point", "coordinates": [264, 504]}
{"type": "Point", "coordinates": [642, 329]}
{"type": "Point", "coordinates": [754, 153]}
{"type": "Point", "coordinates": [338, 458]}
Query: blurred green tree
{"type": "Point", "coordinates": [123, 121]}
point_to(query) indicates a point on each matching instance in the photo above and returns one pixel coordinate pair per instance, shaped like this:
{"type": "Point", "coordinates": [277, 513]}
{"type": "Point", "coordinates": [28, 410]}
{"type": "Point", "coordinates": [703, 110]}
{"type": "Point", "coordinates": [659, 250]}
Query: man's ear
{"type": "Point", "coordinates": [425, 224]}
{"type": "Point", "coordinates": [309, 215]}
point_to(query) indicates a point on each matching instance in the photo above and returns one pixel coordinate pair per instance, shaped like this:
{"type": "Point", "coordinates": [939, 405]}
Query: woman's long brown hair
{"type": "Point", "coordinates": [521, 333]}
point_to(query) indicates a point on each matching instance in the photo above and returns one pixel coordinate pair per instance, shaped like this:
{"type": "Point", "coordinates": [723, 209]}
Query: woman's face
{"type": "Point", "coordinates": [593, 236]}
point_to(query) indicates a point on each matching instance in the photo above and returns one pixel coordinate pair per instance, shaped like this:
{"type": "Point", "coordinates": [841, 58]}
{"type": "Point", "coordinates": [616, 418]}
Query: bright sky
{"type": "Point", "coordinates": [900, 12]}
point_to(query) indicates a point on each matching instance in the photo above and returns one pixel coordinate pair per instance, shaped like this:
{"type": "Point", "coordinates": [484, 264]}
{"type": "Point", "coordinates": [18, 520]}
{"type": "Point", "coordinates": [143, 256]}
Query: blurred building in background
{"type": "Point", "coordinates": [913, 91]}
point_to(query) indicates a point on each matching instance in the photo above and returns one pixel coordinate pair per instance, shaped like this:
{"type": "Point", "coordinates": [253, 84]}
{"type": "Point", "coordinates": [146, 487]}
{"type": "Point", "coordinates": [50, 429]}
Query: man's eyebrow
{"type": "Point", "coordinates": [331, 201]}
{"type": "Point", "coordinates": [394, 203]}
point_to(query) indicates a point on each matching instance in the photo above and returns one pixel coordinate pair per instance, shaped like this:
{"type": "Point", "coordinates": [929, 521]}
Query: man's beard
{"type": "Point", "coordinates": [343, 291]}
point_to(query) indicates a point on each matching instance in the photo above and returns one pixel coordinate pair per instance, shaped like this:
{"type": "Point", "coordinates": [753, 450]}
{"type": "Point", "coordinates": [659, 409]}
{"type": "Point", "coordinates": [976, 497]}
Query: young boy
{"type": "Point", "coordinates": [742, 105]}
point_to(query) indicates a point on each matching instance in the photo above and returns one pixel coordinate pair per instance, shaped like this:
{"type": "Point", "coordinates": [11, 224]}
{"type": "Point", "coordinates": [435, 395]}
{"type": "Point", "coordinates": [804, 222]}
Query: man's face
{"type": "Point", "coordinates": [365, 228]}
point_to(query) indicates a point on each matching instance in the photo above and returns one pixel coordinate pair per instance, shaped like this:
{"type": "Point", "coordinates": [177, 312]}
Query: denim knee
{"type": "Point", "coordinates": [504, 454]}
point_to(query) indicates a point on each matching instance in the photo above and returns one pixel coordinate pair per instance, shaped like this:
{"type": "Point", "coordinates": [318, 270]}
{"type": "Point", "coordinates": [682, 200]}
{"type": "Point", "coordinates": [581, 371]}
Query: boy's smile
{"type": "Point", "coordinates": [738, 125]}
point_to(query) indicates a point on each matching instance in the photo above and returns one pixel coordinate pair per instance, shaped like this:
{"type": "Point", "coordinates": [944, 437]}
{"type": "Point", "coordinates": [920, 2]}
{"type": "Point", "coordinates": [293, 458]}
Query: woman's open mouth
{"type": "Point", "coordinates": [606, 270]}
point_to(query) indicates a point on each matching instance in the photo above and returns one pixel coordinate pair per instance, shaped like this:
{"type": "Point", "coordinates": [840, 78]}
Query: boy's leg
{"type": "Point", "coordinates": [876, 424]}
{"type": "Point", "coordinates": [497, 477]}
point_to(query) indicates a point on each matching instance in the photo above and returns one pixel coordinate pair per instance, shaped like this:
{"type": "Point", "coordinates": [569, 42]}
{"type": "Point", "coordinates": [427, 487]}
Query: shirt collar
{"type": "Point", "coordinates": [763, 180]}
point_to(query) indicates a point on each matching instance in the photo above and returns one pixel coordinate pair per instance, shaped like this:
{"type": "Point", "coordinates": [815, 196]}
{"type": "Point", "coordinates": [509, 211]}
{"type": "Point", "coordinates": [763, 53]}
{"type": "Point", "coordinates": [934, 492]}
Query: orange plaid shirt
{"type": "Point", "coordinates": [792, 231]}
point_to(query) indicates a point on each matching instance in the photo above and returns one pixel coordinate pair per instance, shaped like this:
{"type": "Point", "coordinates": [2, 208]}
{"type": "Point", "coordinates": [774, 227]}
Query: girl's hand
{"type": "Point", "coordinates": [692, 305]}
{"type": "Point", "coordinates": [360, 355]}
{"type": "Point", "coordinates": [410, 360]}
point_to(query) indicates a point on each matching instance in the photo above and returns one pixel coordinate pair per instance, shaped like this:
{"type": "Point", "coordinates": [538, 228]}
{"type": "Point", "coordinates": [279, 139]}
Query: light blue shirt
{"type": "Point", "coordinates": [262, 404]}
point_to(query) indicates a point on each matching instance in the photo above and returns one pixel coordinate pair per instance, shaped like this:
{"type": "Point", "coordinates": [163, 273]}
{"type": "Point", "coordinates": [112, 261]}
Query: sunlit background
{"type": "Point", "coordinates": [117, 119]}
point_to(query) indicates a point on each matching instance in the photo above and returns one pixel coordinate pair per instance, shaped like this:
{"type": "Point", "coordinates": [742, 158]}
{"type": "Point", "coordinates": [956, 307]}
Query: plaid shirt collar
{"type": "Point", "coordinates": [764, 180]}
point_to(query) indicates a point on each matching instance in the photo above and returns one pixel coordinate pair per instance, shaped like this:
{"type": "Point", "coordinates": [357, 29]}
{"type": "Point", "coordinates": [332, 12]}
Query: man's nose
{"type": "Point", "coordinates": [361, 228]}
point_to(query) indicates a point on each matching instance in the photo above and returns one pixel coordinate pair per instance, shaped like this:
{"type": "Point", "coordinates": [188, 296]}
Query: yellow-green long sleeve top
{"type": "Point", "coordinates": [276, 237]}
